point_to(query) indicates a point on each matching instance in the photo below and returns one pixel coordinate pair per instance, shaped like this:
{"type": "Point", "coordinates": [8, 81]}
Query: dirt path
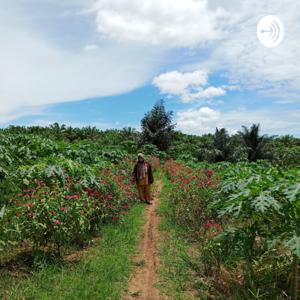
{"type": "Point", "coordinates": [142, 283]}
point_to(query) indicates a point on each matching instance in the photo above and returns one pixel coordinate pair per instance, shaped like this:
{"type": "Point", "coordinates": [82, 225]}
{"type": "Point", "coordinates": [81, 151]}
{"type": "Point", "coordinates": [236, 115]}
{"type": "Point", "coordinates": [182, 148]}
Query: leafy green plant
{"type": "Point", "coordinates": [157, 127]}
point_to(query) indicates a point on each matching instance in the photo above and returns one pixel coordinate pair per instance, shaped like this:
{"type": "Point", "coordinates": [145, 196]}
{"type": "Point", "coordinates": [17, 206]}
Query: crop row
{"type": "Point", "coordinates": [64, 203]}
{"type": "Point", "coordinates": [246, 225]}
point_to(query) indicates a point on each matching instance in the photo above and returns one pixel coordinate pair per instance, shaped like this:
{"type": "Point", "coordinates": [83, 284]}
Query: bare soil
{"type": "Point", "coordinates": [143, 280]}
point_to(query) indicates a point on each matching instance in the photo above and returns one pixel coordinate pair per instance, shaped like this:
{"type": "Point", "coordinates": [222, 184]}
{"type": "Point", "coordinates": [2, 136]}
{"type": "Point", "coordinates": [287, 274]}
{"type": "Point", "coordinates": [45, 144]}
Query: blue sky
{"type": "Point", "coordinates": [105, 63]}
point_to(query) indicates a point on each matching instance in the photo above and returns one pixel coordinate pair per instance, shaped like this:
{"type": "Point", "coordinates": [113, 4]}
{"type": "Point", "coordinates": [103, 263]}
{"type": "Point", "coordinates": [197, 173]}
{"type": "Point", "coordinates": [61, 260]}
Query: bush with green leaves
{"type": "Point", "coordinates": [192, 191]}
{"type": "Point", "coordinates": [62, 203]}
{"type": "Point", "coordinates": [246, 227]}
{"type": "Point", "coordinates": [266, 202]}
{"type": "Point", "coordinates": [259, 205]}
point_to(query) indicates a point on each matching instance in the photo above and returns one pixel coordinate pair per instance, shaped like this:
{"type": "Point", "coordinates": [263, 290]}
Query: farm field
{"type": "Point", "coordinates": [239, 226]}
{"type": "Point", "coordinates": [71, 225]}
{"type": "Point", "coordinates": [149, 150]}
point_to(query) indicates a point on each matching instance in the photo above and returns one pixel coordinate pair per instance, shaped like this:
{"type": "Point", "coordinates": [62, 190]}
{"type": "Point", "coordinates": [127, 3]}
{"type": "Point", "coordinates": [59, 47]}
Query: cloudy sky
{"type": "Point", "coordinates": [106, 62]}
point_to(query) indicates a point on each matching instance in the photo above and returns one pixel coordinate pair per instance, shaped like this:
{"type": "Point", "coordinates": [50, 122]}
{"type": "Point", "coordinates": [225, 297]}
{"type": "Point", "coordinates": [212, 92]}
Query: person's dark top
{"type": "Point", "coordinates": [150, 173]}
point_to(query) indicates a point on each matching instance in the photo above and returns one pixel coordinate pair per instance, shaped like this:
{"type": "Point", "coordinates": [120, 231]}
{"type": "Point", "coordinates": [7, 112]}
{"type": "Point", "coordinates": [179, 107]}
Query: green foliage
{"type": "Point", "coordinates": [192, 191]}
{"type": "Point", "coordinates": [21, 145]}
{"type": "Point", "coordinates": [152, 150]}
{"type": "Point", "coordinates": [55, 193]}
{"type": "Point", "coordinates": [157, 127]}
{"type": "Point", "coordinates": [246, 227]}
{"type": "Point", "coordinates": [101, 273]}
{"type": "Point", "coordinates": [221, 142]}
{"type": "Point", "coordinates": [256, 144]}
{"type": "Point", "coordinates": [263, 198]}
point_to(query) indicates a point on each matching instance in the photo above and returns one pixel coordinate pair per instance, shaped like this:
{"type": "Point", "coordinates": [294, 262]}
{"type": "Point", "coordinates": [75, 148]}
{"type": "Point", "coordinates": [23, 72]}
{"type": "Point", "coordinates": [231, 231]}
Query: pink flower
{"type": "Point", "coordinates": [56, 222]}
{"type": "Point", "coordinates": [29, 191]}
{"type": "Point", "coordinates": [208, 225]}
{"type": "Point", "coordinates": [63, 209]}
{"type": "Point", "coordinates": [209, 173]}
{"type": "Point", "coordinates": [72, 197]}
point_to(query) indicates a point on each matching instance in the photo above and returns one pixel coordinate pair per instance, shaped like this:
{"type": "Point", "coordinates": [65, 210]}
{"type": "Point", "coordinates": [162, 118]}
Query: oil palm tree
{"type": "Point", "coordinates": [157, 127]}
{"type": "Point", "coordinates": [221, 142]}
{"type": "Point", "coordinates": [255, 143]}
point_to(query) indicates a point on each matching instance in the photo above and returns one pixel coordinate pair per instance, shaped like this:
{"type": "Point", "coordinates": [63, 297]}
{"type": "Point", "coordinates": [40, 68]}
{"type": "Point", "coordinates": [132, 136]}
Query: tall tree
{"type": "Point", "coordinates": [157, 127]}
{"type": "Point", "coordinates": [255, 143]}
{"type": "Point", "coordinates": [221, 142]}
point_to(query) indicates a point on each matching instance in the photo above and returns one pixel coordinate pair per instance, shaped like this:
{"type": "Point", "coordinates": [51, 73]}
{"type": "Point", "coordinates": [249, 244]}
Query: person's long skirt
{"type": "Point", "coordinates": [144, 192]}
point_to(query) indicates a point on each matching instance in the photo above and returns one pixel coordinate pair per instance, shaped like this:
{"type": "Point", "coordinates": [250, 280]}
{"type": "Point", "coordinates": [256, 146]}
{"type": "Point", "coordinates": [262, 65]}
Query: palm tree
{"type": "Point", "coordinates": [157, 127]}
{"type": "Point", "coordinates": [221, 142]}
{"type": "Point", "coordinates": [255, 143]}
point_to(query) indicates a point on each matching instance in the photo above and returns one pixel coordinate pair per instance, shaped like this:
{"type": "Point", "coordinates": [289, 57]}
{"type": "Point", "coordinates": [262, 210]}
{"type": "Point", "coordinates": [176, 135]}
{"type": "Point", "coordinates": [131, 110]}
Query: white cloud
{"type": "Point", "coordinates": [273, 72]}
{"type": "Point", "coordinates": [228, 26]}
{"type": "Point", "coordinates": [167, 23]}
{"type": "Point", "coordinates": [25, 111]}
{"type": "Point", "coordinates": [36, 70]}
{"type": "Point", "coordinates": [90, 47]}
{"type": "Point", "coordinates": [175, 82]}
{"type": "Point", "coordinates": [203, 93]}
{"type": "Point", "coordinates": [189, 86]}
{"type": "Point", "coordinates": [197, 121]}
{"type": "Point", "coordinates": [48, 50]}
{"type": "Point", "coordinates": [205, 120]}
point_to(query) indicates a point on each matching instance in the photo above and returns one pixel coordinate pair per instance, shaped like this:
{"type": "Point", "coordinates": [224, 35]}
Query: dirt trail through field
{"type": "Point", "coordinates": [143, 280]}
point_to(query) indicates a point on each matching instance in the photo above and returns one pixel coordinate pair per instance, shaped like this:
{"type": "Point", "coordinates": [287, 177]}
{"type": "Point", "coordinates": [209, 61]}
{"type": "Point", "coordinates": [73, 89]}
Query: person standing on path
{"type": "Point", "coordinates": [143, 176]}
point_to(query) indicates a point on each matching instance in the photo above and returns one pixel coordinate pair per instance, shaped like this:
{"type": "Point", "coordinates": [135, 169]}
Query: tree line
{"type": "Point", "coordinates": [159, 137]}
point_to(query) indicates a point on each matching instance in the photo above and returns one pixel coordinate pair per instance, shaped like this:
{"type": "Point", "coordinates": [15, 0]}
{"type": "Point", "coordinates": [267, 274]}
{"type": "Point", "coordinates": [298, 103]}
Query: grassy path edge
{"type": "Point", "coordinates": [101, 274]}
{"type": "Point", "coordinates": [175, 273]}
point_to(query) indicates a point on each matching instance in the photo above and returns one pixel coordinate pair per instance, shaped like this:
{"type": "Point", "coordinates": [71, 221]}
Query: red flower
{"type": "Point", "coordinates": [208, 225]}
{"type": "Point", "coordinates": [125, 206]}
{"type": "Point", "coordinates": [72, 197]}
{"type": "Point", "coordinates": [29, 191]}
{"type": "Point", "coordinates": [56, 222]}
{"type": "Point", "coordinates": [209, 173]}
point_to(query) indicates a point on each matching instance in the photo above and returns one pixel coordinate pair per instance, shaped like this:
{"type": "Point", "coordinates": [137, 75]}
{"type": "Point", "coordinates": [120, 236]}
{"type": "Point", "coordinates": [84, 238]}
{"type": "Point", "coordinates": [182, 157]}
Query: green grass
{"type": "Point", "coordinates": [101, 274]}
{"type": "Point", "coordinates": [176, 276]}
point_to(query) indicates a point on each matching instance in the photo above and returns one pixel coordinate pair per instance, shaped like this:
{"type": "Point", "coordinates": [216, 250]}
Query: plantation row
{"type": "Point", "coordinates": [64, 206]}
{"type": "Point", "coordinates": [245, 224]}
{"type": "Point", "coordinates": [56, 194]}
{"type": "Point", "coordinates": [158, 138]}
{"type": "Point", "coordinates": [243, 219]}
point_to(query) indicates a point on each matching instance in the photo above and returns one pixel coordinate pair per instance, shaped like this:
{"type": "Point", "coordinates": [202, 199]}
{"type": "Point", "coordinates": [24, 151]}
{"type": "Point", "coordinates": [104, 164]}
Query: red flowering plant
{"type": "Point", "coordinates": [212, 229]}
{"type": "Point", "coordinates": [192, 190]}
{"type": "Point", "coordinates": [154, 161]}
{"type": "Point", "coordinates": [51, 218]}
{"type": "Point", "coordinates": [63, 205]}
